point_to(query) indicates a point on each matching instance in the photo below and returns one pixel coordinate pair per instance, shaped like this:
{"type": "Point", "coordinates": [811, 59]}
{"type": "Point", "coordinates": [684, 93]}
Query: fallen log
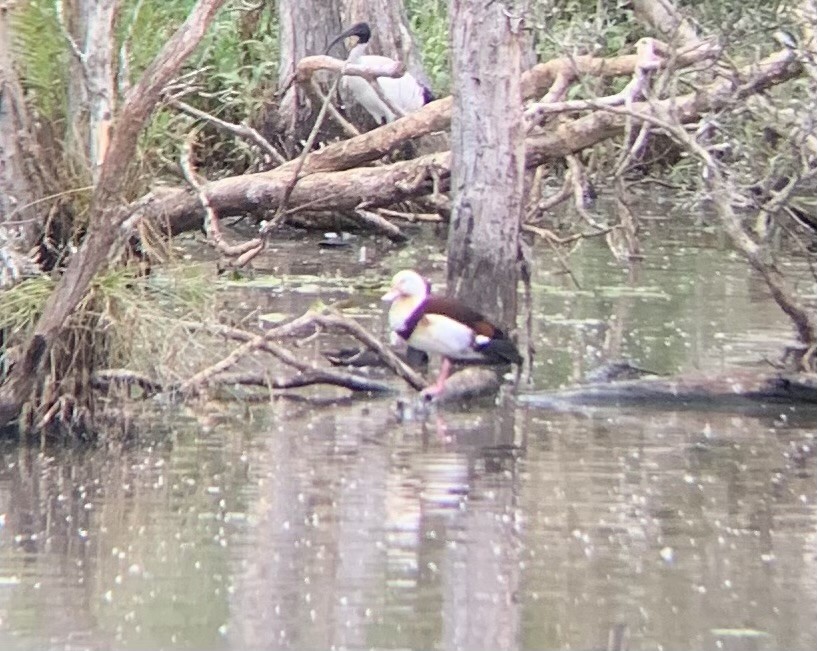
{"type": "Point", "coordinates": [347, 189]}
{"type": "Point", "coordinates": [730, 389]}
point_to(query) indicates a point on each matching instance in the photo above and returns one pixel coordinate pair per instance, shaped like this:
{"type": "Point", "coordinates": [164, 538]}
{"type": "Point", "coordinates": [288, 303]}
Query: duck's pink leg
{"type": "Point", "coordinates": [436, 388]}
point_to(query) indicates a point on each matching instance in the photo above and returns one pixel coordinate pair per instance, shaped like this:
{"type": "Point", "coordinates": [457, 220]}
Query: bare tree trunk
{"type": "Point", "coordinates": [20, 186]}
{"type": "Point", "coordinates": [391, 35]}
{"type": "Point", "coordinates": [89, 32]}
{"type": "Point", "coordinates": [100, 49]}
{"type": "Point", "coordinates": [306, 28]}
{"type": "Point", "coordinates": [488, 157]}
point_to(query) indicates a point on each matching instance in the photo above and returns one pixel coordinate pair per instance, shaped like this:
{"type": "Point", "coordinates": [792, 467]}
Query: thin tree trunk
{"type": "Point", "coordinates": [306, 28]}
{"type": "Point", "coordinates": [100, 50]}
{"type": "Point", "coordinates": [88, 28]}
{"type": "Point", "coordinates": [19, 185]}
{"type": "Point", "coordinates": [488, 157]}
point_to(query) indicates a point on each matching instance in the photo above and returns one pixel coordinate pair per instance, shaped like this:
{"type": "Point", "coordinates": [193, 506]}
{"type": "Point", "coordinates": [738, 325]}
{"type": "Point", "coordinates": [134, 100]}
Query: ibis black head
{"type": "Point", "coordinates": [361, 30]}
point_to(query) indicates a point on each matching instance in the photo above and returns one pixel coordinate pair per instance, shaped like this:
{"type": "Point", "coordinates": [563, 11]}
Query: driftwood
{"type": "Point", "coordinates": [334, 179]}
{"type": "Point", "coordinates": [739, 388]}
{"type": "Point", "coordinates": [469, 384]}
{"type": "Point", "coordinates": [108, 379]}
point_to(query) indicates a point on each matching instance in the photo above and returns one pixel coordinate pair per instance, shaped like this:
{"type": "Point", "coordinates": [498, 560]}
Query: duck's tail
{"type": "Point", "coordinates": [498, 350]}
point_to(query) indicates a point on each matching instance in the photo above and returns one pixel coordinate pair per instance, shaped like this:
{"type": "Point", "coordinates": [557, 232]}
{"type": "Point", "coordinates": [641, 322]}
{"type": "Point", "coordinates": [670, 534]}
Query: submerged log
{"type": "Point", "coordinates": [735, 388]}
{"type": "Point", "coordinates": [469, 384]}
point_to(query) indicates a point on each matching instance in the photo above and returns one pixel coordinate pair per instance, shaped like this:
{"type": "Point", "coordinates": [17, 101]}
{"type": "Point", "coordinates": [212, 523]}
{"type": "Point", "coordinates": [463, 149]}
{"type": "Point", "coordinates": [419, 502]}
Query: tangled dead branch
{"type": "Point", "coordinates": [333, 179]}
{"type": "Point", "coordinates": [228, 370]}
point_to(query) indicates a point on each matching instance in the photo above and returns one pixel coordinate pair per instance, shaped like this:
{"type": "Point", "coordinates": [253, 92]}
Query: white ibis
{"type": "Point", "coordinates": [445, 326]}
{"type": "Point", "coordinates": [405, 93]}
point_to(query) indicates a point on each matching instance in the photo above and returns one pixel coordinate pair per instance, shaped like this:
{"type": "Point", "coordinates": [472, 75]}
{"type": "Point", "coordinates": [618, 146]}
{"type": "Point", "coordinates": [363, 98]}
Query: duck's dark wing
{"type": "Point", "coordinates": [499, 349]}
{"type": "Point", "coordinates": [454, 309]}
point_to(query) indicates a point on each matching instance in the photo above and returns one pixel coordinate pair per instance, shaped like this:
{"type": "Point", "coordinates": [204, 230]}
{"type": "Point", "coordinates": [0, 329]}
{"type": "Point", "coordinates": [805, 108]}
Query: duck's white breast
{"type": "Point", "coordinates": [437, 333]}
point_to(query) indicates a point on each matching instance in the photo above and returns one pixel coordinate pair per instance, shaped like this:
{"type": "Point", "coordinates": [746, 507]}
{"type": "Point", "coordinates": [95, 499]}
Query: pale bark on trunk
{"type": "Point", "coordinates": [89, 31]}
{"type": "Point", "coordinates": [306, 28]}
{"type": "Point", "coordinates": [488, 158]}
{"type": "Point", "coordinates": [100, 50]}
{"type": "Point", "coordinates": [20, 185]}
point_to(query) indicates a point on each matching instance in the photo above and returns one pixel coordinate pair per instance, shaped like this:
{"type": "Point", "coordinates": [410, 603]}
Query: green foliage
{"type": "Point", "coordinates": [429, 25]}
{"type": "Point", "coordinates": [41, 54]}
{"type": "Point", "coordinates": [128, 309]}
{"type": "Point", "coordinates": [581, 27]}
{"type": "Point", "coordinates": [231, 76]}
{"type": "Point", "coordinates": [132, 309]}
{"type": "Point", "coordinates": [740, 25]}
{"type": "Point", "coordinates": [146, 26]}
{"type": "Point", "coordinates": [21, 305]}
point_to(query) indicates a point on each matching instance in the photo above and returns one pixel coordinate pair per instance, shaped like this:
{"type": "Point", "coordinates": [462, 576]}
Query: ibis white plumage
{"type": "Point", "coordinates": [405, 93]}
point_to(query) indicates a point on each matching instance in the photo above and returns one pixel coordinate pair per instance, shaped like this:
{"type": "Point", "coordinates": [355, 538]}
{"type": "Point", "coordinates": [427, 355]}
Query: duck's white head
{"type": "Point", "coordinates": [407, 283]}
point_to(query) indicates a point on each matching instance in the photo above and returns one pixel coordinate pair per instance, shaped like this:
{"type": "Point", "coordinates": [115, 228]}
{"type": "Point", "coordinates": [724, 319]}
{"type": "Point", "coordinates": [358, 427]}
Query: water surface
{"type": "Point", "coordinates": [291, 525]}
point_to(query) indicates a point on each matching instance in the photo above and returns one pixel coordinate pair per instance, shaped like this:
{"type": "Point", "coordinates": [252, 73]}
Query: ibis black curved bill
{"type": "Point", "coordinates": [361, 30]}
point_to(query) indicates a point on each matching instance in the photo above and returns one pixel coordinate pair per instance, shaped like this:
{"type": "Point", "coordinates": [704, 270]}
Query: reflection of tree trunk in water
{"type": "Point", "coordinates": [481, 583]}
{"type": "Point", "coordinates": [263, 602]}
{"type": "Point", "coordinates": [360, 515]}
{"type": "Point", "coordinates": [619, 321]}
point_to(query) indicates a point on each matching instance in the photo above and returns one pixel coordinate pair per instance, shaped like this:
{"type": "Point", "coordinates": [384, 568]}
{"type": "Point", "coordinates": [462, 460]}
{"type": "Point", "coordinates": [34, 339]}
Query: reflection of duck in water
{"type": "Point", "coordinates": [444, 326]}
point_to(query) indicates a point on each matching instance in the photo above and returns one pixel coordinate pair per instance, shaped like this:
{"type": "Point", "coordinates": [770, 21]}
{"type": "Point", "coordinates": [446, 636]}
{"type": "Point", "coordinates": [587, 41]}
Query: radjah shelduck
{"type": "Point", "coordinates": [443, 326]}
{"type": "Point", "coordinates": [405, 93]}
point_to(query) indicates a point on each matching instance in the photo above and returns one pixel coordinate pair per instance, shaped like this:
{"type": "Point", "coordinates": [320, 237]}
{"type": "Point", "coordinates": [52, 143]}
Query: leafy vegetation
{"type": "Point", "coordinates": [42, 57]}
{"type": "Point", "coordinates": [234, 73]}
{"type": "Point", "coordinates": [118, 319]}
{"type": "Point", "coordinates": [429, 22]}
